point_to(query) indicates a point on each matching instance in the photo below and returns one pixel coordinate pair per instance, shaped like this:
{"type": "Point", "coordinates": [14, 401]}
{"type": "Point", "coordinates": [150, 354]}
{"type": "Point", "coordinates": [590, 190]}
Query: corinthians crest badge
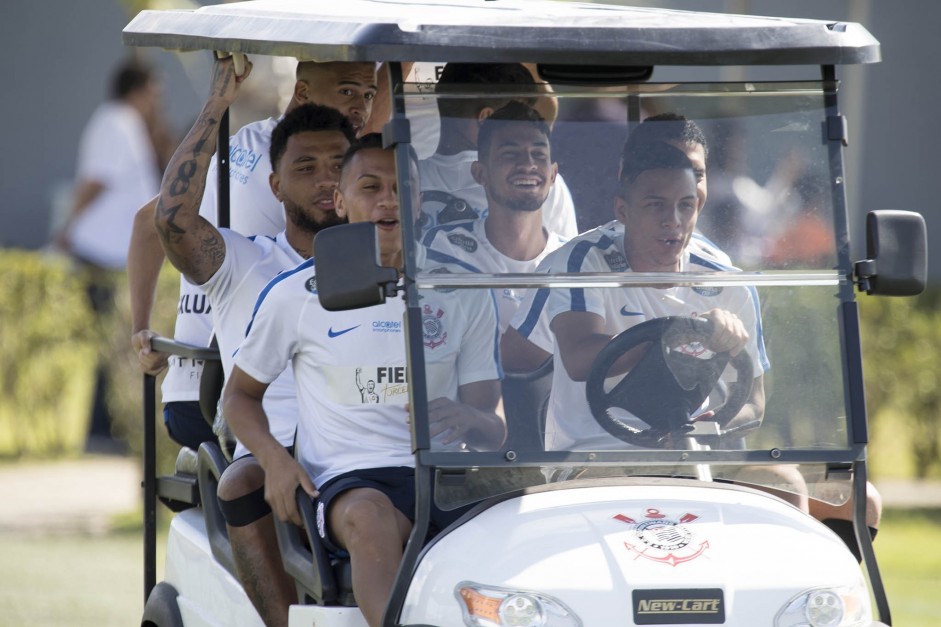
{"type": "Point", "coordinates": [661, 538]}
{"type": "Point", "coordinates": [433, 327]}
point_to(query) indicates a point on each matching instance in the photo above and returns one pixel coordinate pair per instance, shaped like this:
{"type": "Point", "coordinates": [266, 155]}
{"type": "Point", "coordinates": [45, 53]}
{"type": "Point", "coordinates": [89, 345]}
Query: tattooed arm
{"type": "Point", "coordinates": [193, 245]}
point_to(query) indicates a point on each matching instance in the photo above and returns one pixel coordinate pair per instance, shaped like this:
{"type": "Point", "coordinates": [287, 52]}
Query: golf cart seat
{"type": "Point", "coordinates": [211, 382]}
{"type": "Point", "coordinates": [196, 477]}
{"type": "Point", "coordinates": [211, 464]}
{"type": "Point", "coordinates": [182, 490]}
{"type": "Point", "coordinates": [321, 578]}
{"type": "Point", "coordinates": [525, 403]}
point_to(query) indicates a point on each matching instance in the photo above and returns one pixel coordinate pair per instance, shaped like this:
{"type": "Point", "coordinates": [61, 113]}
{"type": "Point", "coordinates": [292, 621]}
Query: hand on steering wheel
{"type": "Point", "coordinates": [669, 383]}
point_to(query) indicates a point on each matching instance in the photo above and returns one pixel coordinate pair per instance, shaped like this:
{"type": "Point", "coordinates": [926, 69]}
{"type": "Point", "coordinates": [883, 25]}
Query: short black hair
{"type": "Point", "coordinates": [493, 75]}
{"type": "Point", "coordinates": [656, 156]}
{"type": "Point", "coordinates": [306, 117]}
{"type": "Point", "coordinates": [666, 127]}
{"type": "Point", "coordinates": [129, 77]}
{"type": "Point", "coordinates": [371, 141]}
{"type": "Point", "coordinates": [513, 112]}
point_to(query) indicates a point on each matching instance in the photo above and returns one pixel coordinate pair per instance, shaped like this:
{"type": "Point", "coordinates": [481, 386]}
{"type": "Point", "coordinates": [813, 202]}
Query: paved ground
{"type": "Point", "coordinates": [903, 493]}
{"type": "Point", "coordinates": [84, 495]}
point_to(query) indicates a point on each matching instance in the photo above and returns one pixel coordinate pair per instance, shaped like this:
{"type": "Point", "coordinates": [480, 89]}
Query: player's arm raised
{"type": "Point", "coordinates": [193, 245]}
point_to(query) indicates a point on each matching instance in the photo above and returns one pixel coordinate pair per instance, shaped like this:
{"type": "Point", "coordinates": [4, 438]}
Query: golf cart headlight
{"type": "Point", "coordinates": [826, 607]}
{"type": "Point", "coordinates": [490, 606]}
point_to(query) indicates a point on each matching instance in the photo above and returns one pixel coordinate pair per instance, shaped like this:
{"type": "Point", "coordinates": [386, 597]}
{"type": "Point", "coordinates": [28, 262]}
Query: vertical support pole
{"type": "Point", "coordinates": [150, 485]}
{"type": "Point", "coordinates": [835, 137]}
{"type": "Point", "coordinates": [837, 178]}
{"type": "Point", "coordinates": [633, 112]}
{"type": "Point", "coordinates": [864, 541]}
{"type": "Point", "coordinates": [223, 219]}
{"type": "Point", "coordinates": [396, 134]}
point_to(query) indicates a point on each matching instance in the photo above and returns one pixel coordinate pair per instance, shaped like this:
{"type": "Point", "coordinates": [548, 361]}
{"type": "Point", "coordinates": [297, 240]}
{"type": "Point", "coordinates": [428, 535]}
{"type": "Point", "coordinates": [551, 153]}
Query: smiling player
{"type": "Point", "coordinates": [516, 170]}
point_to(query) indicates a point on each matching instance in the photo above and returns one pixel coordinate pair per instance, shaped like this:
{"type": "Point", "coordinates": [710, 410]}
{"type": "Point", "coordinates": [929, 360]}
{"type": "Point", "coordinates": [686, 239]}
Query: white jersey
{"type": "Point", "coordinates": [464, 245]}
{"type": "Point", "coordinates": [530, 319]}
{"type": "Point", "coordinates": [570, 424]}
{"type": "Point", "coordinates": [194, 327]}
{"type": "Point", "coordinates": [115, 151]}
{"type": "Point", "coordinates": [350, 367]}
{"type": "Point", "coordinates": [450, 193]}
{"type": "Point", "coordinates": [253, 210]}
{"type": "Point", "coordinates": [249, 264]}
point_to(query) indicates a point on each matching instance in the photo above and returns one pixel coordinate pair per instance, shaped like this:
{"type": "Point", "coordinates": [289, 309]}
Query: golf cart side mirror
{"type": "Point", "coordinates": [349, 275]}
{"type": "Point", "coordinates": [897, 254]}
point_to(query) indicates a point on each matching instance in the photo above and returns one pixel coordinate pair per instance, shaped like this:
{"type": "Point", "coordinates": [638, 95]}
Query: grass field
{"type": "Point", "coordinates": [908, 549]}
{"type": "Point", "coordinates": [96, 581]}
{"type": "Point", "coordinates": [79, 581]}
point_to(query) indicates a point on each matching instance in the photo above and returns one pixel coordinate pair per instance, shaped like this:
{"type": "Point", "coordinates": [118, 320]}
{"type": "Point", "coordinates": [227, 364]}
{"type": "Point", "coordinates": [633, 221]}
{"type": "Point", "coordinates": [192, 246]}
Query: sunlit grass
{"type": "Point", "coordinates": [909, 557]}
{"type": "Point", "coordinates": [81, 581]}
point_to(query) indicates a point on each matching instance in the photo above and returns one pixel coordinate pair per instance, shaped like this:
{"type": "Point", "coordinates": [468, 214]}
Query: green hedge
{"type": "Point", "coordinates": [50, 343]}
{"type": "Point", "coordinates": [901, 338]}
{"type": "Point", "coordinates": [45, 345]}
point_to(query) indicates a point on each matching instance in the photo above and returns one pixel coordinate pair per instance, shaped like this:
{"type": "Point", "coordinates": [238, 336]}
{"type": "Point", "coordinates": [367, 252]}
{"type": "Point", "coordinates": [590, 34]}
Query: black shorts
{"type": "Point", "coordinates": [397, 483]}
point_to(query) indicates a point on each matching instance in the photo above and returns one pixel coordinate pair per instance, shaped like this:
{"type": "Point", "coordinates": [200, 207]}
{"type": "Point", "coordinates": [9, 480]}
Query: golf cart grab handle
{"type": "Point", "coordinates": [166, 345]}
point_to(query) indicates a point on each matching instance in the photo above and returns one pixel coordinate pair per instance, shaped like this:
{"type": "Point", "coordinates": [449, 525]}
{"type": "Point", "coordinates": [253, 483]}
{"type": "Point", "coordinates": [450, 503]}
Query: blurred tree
{"type": "Point", "coordinates": [125, 399]}
{"type": "Point", "coordinates": [45, 343]}
{"type": "Point", "coordinates": [902, 364]}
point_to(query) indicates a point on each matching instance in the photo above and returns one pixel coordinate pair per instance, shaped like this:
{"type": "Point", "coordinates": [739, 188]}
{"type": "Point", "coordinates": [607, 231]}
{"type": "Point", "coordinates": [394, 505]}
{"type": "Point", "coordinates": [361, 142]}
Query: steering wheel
{"type": "Point", "coordinates": [669, 383]}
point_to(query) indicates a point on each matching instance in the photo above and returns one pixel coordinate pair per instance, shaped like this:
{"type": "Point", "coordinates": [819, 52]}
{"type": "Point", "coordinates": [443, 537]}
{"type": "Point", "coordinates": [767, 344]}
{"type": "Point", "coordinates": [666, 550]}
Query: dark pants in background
{"type": "Point", "coordinates": [100, 288]}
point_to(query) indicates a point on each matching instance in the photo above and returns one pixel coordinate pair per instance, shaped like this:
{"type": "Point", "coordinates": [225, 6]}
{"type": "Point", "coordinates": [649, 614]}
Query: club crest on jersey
{"type": "Point", "coordinates": [704, 290]}
{"type": "Point", "coordinates": [616, 261]}
{"type": "Point", "coordinates": [311, 285]}
{"type": "Point", "coordinates": [661, 538]}
{"type": "Point", "coordinates": [464, 242]}
{"type": "Point", "coordinates": [433, 327]}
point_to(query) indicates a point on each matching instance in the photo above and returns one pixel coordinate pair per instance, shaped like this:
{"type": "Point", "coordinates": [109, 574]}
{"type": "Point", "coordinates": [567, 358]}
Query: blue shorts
{"type": "Point", "coordinates": [186, 424]}
{"type": "Point", "coordinates": [397, 483]}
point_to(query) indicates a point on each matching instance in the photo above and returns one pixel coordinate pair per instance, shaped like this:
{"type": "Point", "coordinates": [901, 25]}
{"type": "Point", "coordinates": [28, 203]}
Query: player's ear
{"type": "Point", "coordinates": [620, 209]}
{"type": "Point", "coordinates": [338, 203]}
{"type": "Point", "coordinates": [483, 114]}
{"type": "Point", "coordinates": [301, 91]}
{"type": "Point", "coordinates": [275, 182]}
{"type": "Point", "coordinates": [478, 172]}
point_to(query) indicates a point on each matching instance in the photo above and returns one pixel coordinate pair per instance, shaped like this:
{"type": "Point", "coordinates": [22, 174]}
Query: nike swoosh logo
{"type": "Point", "coordinates": [625, 312]}
{"type": "Point", "coordinates": [332, 333]}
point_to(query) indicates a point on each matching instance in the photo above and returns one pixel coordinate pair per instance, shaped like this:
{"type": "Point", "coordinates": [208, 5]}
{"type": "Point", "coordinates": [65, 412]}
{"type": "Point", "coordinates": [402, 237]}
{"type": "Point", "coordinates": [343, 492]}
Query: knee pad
{"type": "Point", "coordinates": [246, 509]}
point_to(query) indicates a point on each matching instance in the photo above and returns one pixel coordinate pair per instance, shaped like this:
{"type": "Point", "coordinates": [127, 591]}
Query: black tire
{"type": "Point", "coordinates": [161, 609]}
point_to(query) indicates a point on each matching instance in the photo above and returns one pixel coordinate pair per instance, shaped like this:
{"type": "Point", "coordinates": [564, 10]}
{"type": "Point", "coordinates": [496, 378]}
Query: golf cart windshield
{"type": "Point", "coordinates": [759, 239]}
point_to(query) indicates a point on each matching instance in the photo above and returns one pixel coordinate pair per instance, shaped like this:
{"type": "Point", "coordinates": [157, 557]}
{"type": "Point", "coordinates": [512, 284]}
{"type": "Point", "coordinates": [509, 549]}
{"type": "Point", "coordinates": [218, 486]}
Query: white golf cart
{"type": "Point", "coordinates": [672, 522]}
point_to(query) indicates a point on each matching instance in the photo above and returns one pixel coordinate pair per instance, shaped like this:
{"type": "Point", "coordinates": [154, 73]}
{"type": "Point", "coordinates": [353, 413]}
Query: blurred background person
{"type": "Point", "coordinates": [123, 149]}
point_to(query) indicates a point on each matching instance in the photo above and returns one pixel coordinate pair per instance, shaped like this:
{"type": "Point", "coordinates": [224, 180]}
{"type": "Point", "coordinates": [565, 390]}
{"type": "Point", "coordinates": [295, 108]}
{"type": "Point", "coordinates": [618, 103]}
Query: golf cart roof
{"type": "Point", "coordinates": [537, 31]}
